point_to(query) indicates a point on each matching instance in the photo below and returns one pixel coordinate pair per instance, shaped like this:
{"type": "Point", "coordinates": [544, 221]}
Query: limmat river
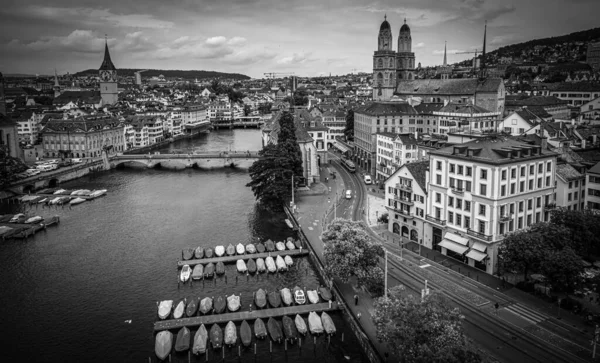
{"type": "Point", "coordinates": [68, 294]}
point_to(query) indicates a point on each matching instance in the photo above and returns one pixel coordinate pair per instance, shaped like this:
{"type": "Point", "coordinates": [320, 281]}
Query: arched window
{"type": "Point", "coordinates": [414, 235]}
{"type": "Point", "coordinates": [380, 63]}
{"type": "Point", "coordinates": [396, 228]}
{"type": "Point", "coordinates": [404, 231]}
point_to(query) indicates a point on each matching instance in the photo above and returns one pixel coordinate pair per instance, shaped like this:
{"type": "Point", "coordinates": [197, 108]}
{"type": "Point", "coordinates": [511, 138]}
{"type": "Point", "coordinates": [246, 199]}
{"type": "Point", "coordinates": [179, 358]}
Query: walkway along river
{"type": "Point", "coordinates": [68, 294]}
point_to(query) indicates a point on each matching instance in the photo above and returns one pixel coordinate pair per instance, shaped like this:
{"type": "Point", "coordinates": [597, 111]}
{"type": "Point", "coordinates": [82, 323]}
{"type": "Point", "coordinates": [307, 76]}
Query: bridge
{"type": "Point", "coordinates": [202, 160]}
{"type": "Point", "coordinates": [244, 122]}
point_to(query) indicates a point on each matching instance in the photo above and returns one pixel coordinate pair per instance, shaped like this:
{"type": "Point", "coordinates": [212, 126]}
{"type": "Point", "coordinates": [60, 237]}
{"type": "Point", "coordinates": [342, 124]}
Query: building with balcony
{"type": "Point", "coordinates": [481, 190]}
{"type": "Point", "coordinates": [592, 197]}
{"type": "Point", "coordinates": [385, 156]}
{"type": "Point", "coordinates": [458, 118]}
{"type": "Point", "coordinates": [570, 187]}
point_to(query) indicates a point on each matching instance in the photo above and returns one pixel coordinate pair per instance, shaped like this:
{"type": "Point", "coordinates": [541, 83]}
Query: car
{"type": "Point", "coordinates": [52, 161]}
{"type": "Point", "coordinates": [368, 180]}
{"type": "Point", "coordinates": [76, 160]}
{"type": "Point", "coordinates": [348, 194]}
{"type": "Point", "coordinates": [46, 167]}
{"type": "Point", "coordinates": [41, 162]}
{"type": "Point", "coordinates": [32, 172]}
{"type": "Point", "coordinates": [23, 175]}
{"type": "Point", "coordinates": [65, 163]}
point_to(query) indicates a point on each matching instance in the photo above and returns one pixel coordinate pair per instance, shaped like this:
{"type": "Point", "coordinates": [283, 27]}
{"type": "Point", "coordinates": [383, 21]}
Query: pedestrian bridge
{"type": "Point", "coordinates": [202, 160]}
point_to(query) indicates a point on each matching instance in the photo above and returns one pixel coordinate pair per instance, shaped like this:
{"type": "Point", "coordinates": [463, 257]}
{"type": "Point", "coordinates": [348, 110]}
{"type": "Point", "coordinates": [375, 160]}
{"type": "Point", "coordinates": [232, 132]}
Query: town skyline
{"type": "Point", "coordinates": [266, 36]}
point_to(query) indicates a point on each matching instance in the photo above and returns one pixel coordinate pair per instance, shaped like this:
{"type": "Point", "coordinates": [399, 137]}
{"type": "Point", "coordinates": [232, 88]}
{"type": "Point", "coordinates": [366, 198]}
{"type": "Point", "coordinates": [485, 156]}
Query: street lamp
{"type": "Point", "coordinates": [283, 171]}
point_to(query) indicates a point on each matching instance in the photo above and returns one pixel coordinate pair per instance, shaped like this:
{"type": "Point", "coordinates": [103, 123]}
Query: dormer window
{"type": "Point", "coordinates": [312, 124]}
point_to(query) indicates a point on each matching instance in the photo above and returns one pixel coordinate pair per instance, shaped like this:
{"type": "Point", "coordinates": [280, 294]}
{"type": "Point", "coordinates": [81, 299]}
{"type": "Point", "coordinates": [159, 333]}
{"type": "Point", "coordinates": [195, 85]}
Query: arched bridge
{"type": "Point", "coordinates": [203, 160]}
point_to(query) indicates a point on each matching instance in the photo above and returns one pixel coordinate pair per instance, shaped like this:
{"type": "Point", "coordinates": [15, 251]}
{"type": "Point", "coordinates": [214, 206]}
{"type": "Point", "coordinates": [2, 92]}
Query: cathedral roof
{"type": "Point", "coordinates": [385, 25]}
{"type": "Point", "coordinates": [107, 64]}
{"type": "Point", "coordinates": [456, 86]}
{"type": "Point", "coordinates": [404, 27]}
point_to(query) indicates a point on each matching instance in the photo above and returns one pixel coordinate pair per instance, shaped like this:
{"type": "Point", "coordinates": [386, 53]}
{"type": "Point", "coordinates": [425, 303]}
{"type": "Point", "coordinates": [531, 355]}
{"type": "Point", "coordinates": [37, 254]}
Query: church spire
{"type": "Point", "coordinates": [107, 64]}
{"type": "Point", "coordinates": [56, 84]}
{"type": "Point", "coordinates": [482, 66]}
{"type": "Point", "coordinates": [445, 58]}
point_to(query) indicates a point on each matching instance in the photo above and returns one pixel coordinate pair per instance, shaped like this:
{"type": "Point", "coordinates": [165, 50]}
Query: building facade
{"type": "Point", "coordinates": [570, 188]}
{"type": "Point", "coordinates": [593, 55]}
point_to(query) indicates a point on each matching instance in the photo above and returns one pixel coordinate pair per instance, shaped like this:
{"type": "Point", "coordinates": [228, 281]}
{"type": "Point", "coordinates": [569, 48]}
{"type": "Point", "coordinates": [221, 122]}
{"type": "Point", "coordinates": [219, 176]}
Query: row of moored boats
{"type": "Point", "coordinates": [63, 196]}
{"type": "Point", "coordinates": [270, 264]}
{"type": "Point", "coordinates": [240, 249]}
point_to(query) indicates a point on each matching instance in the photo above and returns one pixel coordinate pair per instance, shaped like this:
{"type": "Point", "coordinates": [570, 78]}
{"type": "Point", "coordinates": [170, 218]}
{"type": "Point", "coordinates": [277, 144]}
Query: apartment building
{"type": "Point", "coordinates": [592, 197]}
{"type": "Point", "coordinates": [570, 188]}
{"type": "Point", "coordinates": [385, 156]}
{"type": "Point", "coordinates": [577, 93]}
{"type": "Point", "coordinates": [335, 121]}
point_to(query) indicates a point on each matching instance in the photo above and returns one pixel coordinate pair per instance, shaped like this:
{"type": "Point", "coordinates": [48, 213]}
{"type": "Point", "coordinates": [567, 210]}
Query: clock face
{"type": "Point", "coordinates": [105, 76]}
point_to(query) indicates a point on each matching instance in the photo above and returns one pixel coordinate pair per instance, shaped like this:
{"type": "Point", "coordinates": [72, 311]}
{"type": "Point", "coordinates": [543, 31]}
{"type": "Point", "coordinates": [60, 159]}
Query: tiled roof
{"type": "Point", "coordinates": [595, 169]}
{"type": "Point", "coordinates": [428, 108]}
{"type": "Point", "coordinates": [419, 172]}
{"type": "Point", "coordinates": [6, 121]}
{"type": "Point", "coordinates": [468, 86]}
{"type": "Point", "coordinates": [452, 107]}
{"type": "Point", "coordinates": [386, 108]}
{"type": "Point", "coordinates": [81, 124]}
{"type": "Point", "coordinates": [77, 97]}
{"type": "Point", "coordinates": [589, 154]}
{"type": "Point", "coordinates": [578, 86]}
{"type": "Point", "coordinates": [536, 101]}
{"type": "Point", "coordinates": [407, 139]}
{"type": "Point", "coordinates": [567, 173]}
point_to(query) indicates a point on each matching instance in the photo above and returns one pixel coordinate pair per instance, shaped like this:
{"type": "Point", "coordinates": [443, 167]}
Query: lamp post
{"type": "Point", "coordinates": [283, 171]}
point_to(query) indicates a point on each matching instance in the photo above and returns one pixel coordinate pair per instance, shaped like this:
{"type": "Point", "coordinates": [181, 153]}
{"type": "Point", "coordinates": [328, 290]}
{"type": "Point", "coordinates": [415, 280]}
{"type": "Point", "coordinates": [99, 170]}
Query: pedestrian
{"type": "Point", "coordinates": [355, 299]}
{"type": "Point", "coordinates": [496, 305]}
{"type": "Point", "coordinates": [503, 281]}
{"type": "Point", "coordinates": [358, 315]}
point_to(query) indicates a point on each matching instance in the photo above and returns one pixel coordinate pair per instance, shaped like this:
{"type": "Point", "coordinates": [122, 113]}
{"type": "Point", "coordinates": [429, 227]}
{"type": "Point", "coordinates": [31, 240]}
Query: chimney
{"type": "Point", "coordinates": [544, 144]}
{"type": "Point", "coordinates": [572, 122]}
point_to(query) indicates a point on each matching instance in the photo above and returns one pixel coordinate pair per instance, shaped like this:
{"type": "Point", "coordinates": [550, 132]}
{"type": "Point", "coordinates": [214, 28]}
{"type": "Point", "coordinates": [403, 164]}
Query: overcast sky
{"type": "Point", "coordinates": [308, 37]}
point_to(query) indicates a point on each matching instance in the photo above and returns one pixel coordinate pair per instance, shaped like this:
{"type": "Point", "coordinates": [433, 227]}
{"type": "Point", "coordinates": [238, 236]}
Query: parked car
{"type": "Point", "coordinates": [368, 180]}
{"type": "Point", "coordinates": [46, 167]}
{"type": "Point", "coordinates": [348, 194]}
{"type": "Point", "coordinates": [76, 160]}
{"type": "Point", "coordinates": [32, 172]}
{"type": "Point", "coordinates": [41, 162]}
{"type": "Point", "coordinates": [52, 161]}
{"type": "Point", "coordinates": [65, 163]}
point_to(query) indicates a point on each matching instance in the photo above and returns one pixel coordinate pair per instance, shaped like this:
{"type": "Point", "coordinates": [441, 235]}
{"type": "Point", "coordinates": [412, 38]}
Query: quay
{"type": "Point", "coordinates": [22, 230]}
{"type": "Point", "coordinates": [243, 315]}
{"type": "Point", "coordinates": [234, 258]}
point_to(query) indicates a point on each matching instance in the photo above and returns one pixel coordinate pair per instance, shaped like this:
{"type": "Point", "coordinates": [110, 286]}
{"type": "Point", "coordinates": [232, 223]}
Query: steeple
{"type": "Point", "coordinates": [107, 64]}
{"type": "Point", "coordinates": [482, 66]}
{"type": "Point", "coordinates": [445, 58]}
{"type": "Point", "coordinates": [56, 84]}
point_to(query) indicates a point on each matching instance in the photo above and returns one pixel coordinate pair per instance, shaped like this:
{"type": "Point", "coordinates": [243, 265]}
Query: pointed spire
{"type": "Point", "coordinates": [56, 84]}
{"type": "Point", "coordinates": [445, 58]}
{"type": "Point", "coordinates": [482, 67]}
{"type": "Point", "coordinates": [385, 17]}
{"type": "Point", "coordinates": [404, 20]}
{"type": "Point", "coordinates": [107, 64]}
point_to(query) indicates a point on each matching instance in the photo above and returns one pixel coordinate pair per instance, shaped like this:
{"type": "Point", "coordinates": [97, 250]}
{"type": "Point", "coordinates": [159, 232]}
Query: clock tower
{"type": "Point", "coordinates": [108, 79]}
{"type": "Point", "coordinates": [384, 64]}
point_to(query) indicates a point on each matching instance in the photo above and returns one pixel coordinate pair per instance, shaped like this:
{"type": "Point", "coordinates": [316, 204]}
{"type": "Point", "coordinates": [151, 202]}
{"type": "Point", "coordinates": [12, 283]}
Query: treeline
{"type": "Point", "coordinates": [169, 73]}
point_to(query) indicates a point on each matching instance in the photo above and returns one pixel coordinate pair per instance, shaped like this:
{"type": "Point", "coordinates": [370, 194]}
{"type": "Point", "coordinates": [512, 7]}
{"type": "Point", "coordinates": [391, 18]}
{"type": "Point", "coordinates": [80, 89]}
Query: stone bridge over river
{"type": "Point", "coordinates": [204, 160]}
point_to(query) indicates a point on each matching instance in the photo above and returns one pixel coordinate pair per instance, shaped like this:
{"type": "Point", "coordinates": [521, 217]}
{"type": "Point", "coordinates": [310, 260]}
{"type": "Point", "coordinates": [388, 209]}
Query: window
{"type": "Point", "coordinates": [511, 226]}
{"type": "Point", "coordinates": [537, 217]}
{"type": "Point", "coordinates": [483, 174]}
{"type": "Point", "coordinates": [512, 188]}
{"type": "Point", "coordinates": [549, 166]}
{"type": "Point", "coordinates": [529, 204]}
{"type": "Point", "coordinates": [439, 165]}
{"type": "Point", "coordinates": [452, 168]}
{"type": "Point", "coordinates": [503, 174]}
{"type": "Point", "coordinates": [451, 201]}
{"type": "Point", "coordinates": [531, 169]}
{"type": "Point", "coordinates": [467, 186]}
{"type": "Point", "coordinates": [460, 169]}
{"type": "Point", "coordinates": [513, 173]}
{"type": "Point", "coordinates": [482, 227]}
{"type": "Point", "coordinates": [452, 182]}
{"type": "Point", "coordinates": [569, 197]}
{"type": "Point", "coordinates": [450, 217]}
{"type": "Point", "coordinates": [458, 203]}
{"type": "Point", "coordinates": [547, 181]}
{"type": "Point", "coordinates": [575, 196]}
{"type": "Point", "coordinates": [438, 213]}
{"type": "Point", "coordinates": [469, 171]}
{"type": "Point", "coordinates": [523, 171]}
{"type": "Point", "coordinates": [570, 185]}
{"type": "Point", "coordinates": [540, 168]}
{"type": "Point", "coordinates": [512, 208]}
{"type": "Point", "coordinates": [467, 206]}
{"type": "Point", "coordinates": [529, 219]}
{"type": "Point", "coordinates": [539, 183]}
{"type": "Point", "coordinates": [438, 179]}
{"type": "Point", "coordinates": [503, 190]}
{"type": "Point", "coordinates": [467, 222]}
{"type": "Point", "coordinates": [521, 187]}
{"type": "Point", "coordinates": [482, 209]}
{"type": "Point", "coordinates": [520, 207]}
{"type": "Point", "coordinates": [438, 198]}
{"type": "Point", "coordinates": [501, 228]}
{"type": "Point", "coordinates": [576, 183]}
{"type": "Point", "coordinates": [482, 189]}
{"type": "Point", "coordinates": [520, 223]}
{"type": "Point", "coordinates": [538, 202]}
{"type": "Point", "coordinates": [531, 184]}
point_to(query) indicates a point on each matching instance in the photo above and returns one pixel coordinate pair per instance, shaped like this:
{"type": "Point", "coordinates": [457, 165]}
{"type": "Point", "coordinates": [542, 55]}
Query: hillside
{"type": "Point", "coordinates": [582, 36]}
{"type": "Point", "coordinates": [169, 73]}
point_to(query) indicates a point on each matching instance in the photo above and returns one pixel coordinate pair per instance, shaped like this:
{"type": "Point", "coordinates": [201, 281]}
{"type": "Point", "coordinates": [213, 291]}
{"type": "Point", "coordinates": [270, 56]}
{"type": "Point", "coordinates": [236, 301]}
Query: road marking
{"type": "Point", "coordinates": [310, 228]}
{"type": "Point", "coordinates": [527, 314]}
{"type": "Point", "coordinates": [425, 265]}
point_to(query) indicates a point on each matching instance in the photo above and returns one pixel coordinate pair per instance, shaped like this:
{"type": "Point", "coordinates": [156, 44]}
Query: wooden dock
{"type": "Point", "coordinates": [244, 315]}
{"type": "Point", "coordinates": [22, 230]}
{"type": "Point", "coordinates": [57, 195]}
{"type": "Point", "coordinates": [247, 256]}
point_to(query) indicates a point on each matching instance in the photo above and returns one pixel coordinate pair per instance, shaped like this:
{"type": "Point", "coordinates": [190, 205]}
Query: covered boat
{"type": "Point", "coordinates": [198, 272]}
{"type": "Point", "coordinates": [290, 245]}
{"type": "Point", "coordinates": [230, 334]}
{"type": "Point", "coordinates": [280, 246]}
{"type": "Point", "coordinates": [251, 265]}
{"type": "Point", "coordinates": [260, 248]}
{"type": "Point", "coordinates": [192, 307]}
{"type": "Point", "coordinates": [299, 296]}
{"type": "Point", "coordinates": [286, 296]}
{"type": "Point", "coordinates": [216, 336]}
{"type": "Point", "coordinates": [274, 299]}
{"type": "Point", "coordinates": [288, 260]}
{"type": "Point", "coordinates": [206, 305]}
{"type": "Point", "coordinates": [220, 268]}
{"type": "Point", "coordinates": [327, 323]}
{"type": "Point", "coordinates": [325, 293]}
{"type": "Point", "coordinates": [250, 248]}
{"type": "Point", "coordinates": [233, 303]}
{"type": "Point", "coordinates": [241, 266]}
{"type": "Point", "coordinates": [43, 200]}
{"type": "Point", "coordinates": [164, 308]}
{"type": "Point", "coordinates": [289, 329]}
{"type": "Point", "coordinates": [240, 249]}
{"type": "Point", "coordinates": [300, 324]}
{"type": "Point", "coordinates": [35, 219]}
{"type": "Point", "coordinates": [98, 193]}
{"type": "Point", "coordinates": [198, 253]}
{"type": "Point", "coordinates": [281, 266]}
{"type": "Point", "coordinates": [219, 251]}
{"type": "Point", "coordinates": [60, 191]}
{"type": "Point", "coordinates": [246, 333]}
{"type": "Point", "coordinates": [230, 250]}
{"type": "Point", "coordinates": [274, 330]}
{"type": "Point", "coordinates": [314, 323]}
{"type": "Point", "coordinates": [220, 304]}
{"type": "Point", "coordinates": [289, 223]}
{"type": "Point", "coordinates": [260, 330]}
{"type": "Point", "coordinates": [76, 192]}
{"type": "Point", "coordinates": [209, 270]}
{"type": "Point", "coordinates": [297, 244]}
{"type": "Point", "coordinates": [270, 246]}
{"type": "Point", "coordinates": [54, 201]}
{"type": "Point", "coordinates": [200, 340]}
{"type": "Point", "coordinates": [163, 344]}
{"type": "Point", "coordinates": [208, 252]}
{"type": "Point", "coordinates": [183, 340]}
{"type": "Point", "coordinates": [313, 296]}
{"type": "Point", "coordinates": [260, 298]}
{"type": "Point", "coordinates": [270, 264]}
{"type": "Point", "coordinates": [76, 201]}
{"type": "Point", "coordinates": [260, 265]}
{"type": "Point", "coordinates": [188, 253]}
{"type": "Point", "coordinates": [179, 310]}
{"type": "Point", "coordinates": [186, 272]}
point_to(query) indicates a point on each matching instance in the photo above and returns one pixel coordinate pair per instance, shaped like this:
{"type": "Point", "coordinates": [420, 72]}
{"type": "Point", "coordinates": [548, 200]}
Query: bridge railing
{"type": "Point", "coordinates": [184, 155]}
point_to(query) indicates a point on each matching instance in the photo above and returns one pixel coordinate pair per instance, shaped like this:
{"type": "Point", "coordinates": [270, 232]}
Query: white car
{"type": "Point", "coordinates": [77, 160]}
{"type": "Point", "coordinates": [32, 172]}
{"type": "Point", "coordinates": [368, 180]}
{"type": "Point", "coordinates": [52, 161]}
{"type": "Point", "coordinates": [348, 194]}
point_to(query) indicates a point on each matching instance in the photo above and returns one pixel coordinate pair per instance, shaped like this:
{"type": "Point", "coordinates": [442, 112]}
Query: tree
{"type": "Point", "coordinates": [583, 226]}
{"type": "Point", "coordinates": [562, 269]}
{"type": "Point", "coordinates": [350, 252]}
{"type": "Point", "coordinates": [521, 251]}
{"type": "Point", "coordinates": [288, 142]}
{"type": "Point", "coordinates": [422, 331]}
{"type": "Point", "coordinates": [9, 168]}
{"type": "Point", "coordinates": [265, 108]}
{"type": "Point", "coordinates": [349, 130]}
{"type": "Point", "coordinates": [247, 110]}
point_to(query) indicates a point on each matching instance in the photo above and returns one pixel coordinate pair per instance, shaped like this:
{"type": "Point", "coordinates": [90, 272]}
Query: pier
{"type": "Point", "coordinates": [234, 258]}
{"type": "Point", "coordinates": [23, 230]}
{"type": "Point", "coordinates": [244, 315]}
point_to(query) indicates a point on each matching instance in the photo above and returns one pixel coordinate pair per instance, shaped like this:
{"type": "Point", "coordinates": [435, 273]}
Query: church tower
{"type": "Point", "coordinates": [444, 70]}
{"type": "Point", "coordinates": [384, 59]}
{"type": "Point", "coordinates": [405, 58]}
{"type": "Point", "coordinates": [56, 87]}
{"type": "Point", "coordinates": [108, 79]}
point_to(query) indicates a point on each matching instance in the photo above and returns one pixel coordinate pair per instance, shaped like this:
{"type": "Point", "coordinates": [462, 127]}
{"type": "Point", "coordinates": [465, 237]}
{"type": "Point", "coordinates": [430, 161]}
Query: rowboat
{"type": "Point", "coordinates": [76, 201]}
{"type": "Point", "coordinates": [241, 266]}
{"type": "Point", "coordinates": [240, 249]}
{"type": "Point", "coordinates": [274, 299]}
{"type": "Point", "coordinates": [286, 296]}
{"type": "Point", "coordinates": [192, 307]}
{"type": "Point", "coordinates": [327, 323]}
{"type": "Point", "coordinates": [220, 270]}
{"type": "Point", "coordinates": [230, 250]}
{"type": "Point", "coordinates": [297, 244]}
{"type": "Point", "coordinates": [313, 296]}
{"type": "Point", "coordinates": [246, 333]}
{"type": "Point", "coordinates": [260, 265]}
{"type": "Point", "coordinates": [209, 270]}
{"type": "Point", "coordinates": [179, 310]}
{"type": "Point", "coordinates": [289, 329]}
{"type": "Point", "coordinates": [260, 299]}
{"type": "Point", "coordinates": [208, 253]}
{"type": "Point", "coordinates": [186, 271]}
{"type": "Point", "coordinates": [163, 344]}
{"type": "Point", "coordinates": [274, 330]}
{"type": "Point", "coordinates": [216, 336]}
{"type": "Point", "coordinates": [198, 253]}
{"type": "Point", "coordinates": [288, 260]}
{"type": "Point", "coordinates": [75, 192]}
{"type": "Point", "coordinates": [260, 330]}
{"type": "Point", "coordinates": [98, 193]}
{"type": "Point", "coordinates": [43, 200]}
{"type": "Point", "coordinates": [60, 191]}
{"type": "Point", "coordinates": [219, 251]}
{"type": "Point", "coordinates": [280, 246]}
{"type": "Point", "coordinates": [164, 309]}
{"type": "Point", "coordinates": [300, 324]}
{"type": "Point", "coordinates": [35, 219]}
{"type": "Point", "coordinates": [250, 248]}
{"type": "Point", "coordinates": [230, 334]}
{"type": "Point", "coordinates": [183, 340]}
{"type": "Point", "coordinates": [251, 265]}
{"type": "Point", "coordinates": [260, 248]}
{"type": "Point", "coordinates": [270, 246]}
{"type": "Point", "coordinates": [233, 303]}
{"type": "Point", "coordinates": [206, 305]}
{"type": "Point", "coordinates": [281, 266]}
{"type": "Point", "coordinates": [289, 223]}
{"type": "Point", "coordinates": [314, 323]}
{"type": "Point", "coordinates": [325, 293]}
{"type": "Point", "coordinates": [219, 304]}
{"type": "Point", "coordinates": [54, 201]}
{"type": "Point", "coordinates": [188, 253]}
{"type": "Point", "coordinates": [63, 200]}
{"type": "Point", "coordinates": [200, 339]}
{"type": "Point", "coordinates": [290, 245]}
{"type": "Point", "coordinates": [270, 264]}
{"type": "Point", "coordinates": [198, 272]}
{"type": "Point", "coordinates": [299, 296]}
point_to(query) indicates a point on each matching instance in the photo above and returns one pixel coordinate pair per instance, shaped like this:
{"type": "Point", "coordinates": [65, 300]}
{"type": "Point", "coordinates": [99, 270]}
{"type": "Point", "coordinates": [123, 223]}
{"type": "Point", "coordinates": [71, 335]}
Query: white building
{"type": "Point", "coordinates": [518, 122]}
{"type": "Point", "coordinates": [335, 121]}
{"type": "Point", "coordinates": [385, 155]}
{"type": "Point", "coordinates": [570, 188]}
{"type": "Point", "coordinates": [592, 197]}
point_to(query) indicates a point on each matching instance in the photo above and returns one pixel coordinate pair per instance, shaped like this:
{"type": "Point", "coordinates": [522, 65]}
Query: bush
{"type": "Point", "coordinates": [525, 286]}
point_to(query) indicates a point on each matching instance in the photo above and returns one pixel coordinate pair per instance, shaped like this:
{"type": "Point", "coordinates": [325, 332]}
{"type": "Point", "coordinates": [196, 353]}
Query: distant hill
{"type": "Point", "coordinates": [582, 36]}
{"type": "Point", "coordinates": [169, 73]}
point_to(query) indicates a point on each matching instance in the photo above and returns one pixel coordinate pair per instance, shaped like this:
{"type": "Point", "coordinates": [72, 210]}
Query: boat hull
{"type": "Point", "coordinates": [246, 333]}
{"type": "Point", "coordinates": [216, 336]}
{"type": "Point", "coordinates": [230, 334]}
{"type": "Point", "coordinates": [163, 344]}
{"type": "Point", "coordinates": [260, 330]}
{"type": "Point", "coordinates": [200, 340]}
{"type": "Point", "coordinates": [274, 330]}
{"type": "Point", "coordinates": [260, 299]}
{"type": "Point", "coordinates": [183, 340]}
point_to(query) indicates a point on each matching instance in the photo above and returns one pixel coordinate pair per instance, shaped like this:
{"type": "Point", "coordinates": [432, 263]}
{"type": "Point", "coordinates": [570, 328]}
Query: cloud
{"type": "Point", "coordinates": [419, 45]}
{"type": "Point", "coordinates": [296, 58]}
{"type": "Point", "coordinates": [78, 41]}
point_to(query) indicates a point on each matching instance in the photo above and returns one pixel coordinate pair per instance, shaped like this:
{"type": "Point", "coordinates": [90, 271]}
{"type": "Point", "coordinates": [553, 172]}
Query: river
{"type": "Point", "coordinates": [68, 293]}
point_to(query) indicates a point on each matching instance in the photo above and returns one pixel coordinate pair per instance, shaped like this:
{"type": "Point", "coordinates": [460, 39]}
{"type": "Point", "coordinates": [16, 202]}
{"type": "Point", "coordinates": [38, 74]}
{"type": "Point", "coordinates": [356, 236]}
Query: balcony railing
{"type": "Point", "coordinates": [550, 206]}
{"type": "Point", "coordinates": [404, 200]}
{"type": "Point", "coordinates": [479, 235]}
{"type": "Point", "coordinates": [404, 187]}
{"type": "Point", "coordinates": [506, 217]}
{"type": "Point", "coordinates": [458, 190]}
{"type": "Point", "coordinates": [436, 220]}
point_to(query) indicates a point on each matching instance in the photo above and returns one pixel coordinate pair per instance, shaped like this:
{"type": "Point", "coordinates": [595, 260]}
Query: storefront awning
{"type": "Point", "coordinates": [341, 147]}
{"type": "Point", "coordinates": [476, 255]}
{"type": "Point", "coordinates": [481, 247]}
{"type": "Point", "coordinates": [457, 239]}
{"type": "Point", "coordinates": [460, 249]}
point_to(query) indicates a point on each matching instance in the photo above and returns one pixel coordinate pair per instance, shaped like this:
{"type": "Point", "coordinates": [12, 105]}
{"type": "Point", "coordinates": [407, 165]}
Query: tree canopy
{"type": "Point", "coordinates": [584, 229]}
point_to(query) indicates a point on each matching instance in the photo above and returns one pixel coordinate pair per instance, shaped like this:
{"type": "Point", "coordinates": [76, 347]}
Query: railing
{"type": "Point", "coordinates": [550, 206]}
{"type": "Point", "coordinates": [479, 235]}
{"type": "Point", "coordinates": [435, 220]}
{"type": "Point", "coordinates": [404, 187]}
{"type": "Point", "coordinates": [458, 190]}
{"type": "Point", "coordinates": [404, 200]}
{"type": "Point", "coordinates": [506, 217]}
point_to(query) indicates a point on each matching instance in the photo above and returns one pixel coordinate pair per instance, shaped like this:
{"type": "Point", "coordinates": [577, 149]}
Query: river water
{"type": "Point", "coordinates": [67, 293]}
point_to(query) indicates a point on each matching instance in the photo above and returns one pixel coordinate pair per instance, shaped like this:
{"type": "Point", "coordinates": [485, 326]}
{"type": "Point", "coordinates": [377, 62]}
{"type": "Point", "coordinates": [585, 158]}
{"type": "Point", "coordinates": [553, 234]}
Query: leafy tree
{"type": "Point", "coordinates": [349, 130]}
{"type": "Point", "coordinates": [422, 331]}
{"type": "Point", "coordinates": [265, 108]}
{"type": "Point", "coordinates": [349, 251]}
{"type": "Point", "coordinates": [288, 142]}
{"type": "Point", "coordinates": [562, 269]}
{"type": "Point", "coordinates": [9, 168]}
{"type": "Point", "coordinates": [247, 110]}
{"type": "Point", "coordinates": [583, 226]}
{"type": "Point", "coordinates": [521, 251]}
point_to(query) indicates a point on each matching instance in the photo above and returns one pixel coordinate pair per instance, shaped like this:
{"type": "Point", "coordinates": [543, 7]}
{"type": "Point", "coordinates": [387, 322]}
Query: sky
{"type": "Point", "coordinates": [253, 37]}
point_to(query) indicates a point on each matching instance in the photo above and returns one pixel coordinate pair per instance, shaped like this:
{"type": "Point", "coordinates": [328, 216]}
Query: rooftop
{"type": "Point", "coordinates": [567, 172]}
{"type": "Point", "coordinates": [419, 172]}
{"type": "Point", "coordinates": [386, 108]}
{"type": "Point", "coordinates": [458, 86]}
